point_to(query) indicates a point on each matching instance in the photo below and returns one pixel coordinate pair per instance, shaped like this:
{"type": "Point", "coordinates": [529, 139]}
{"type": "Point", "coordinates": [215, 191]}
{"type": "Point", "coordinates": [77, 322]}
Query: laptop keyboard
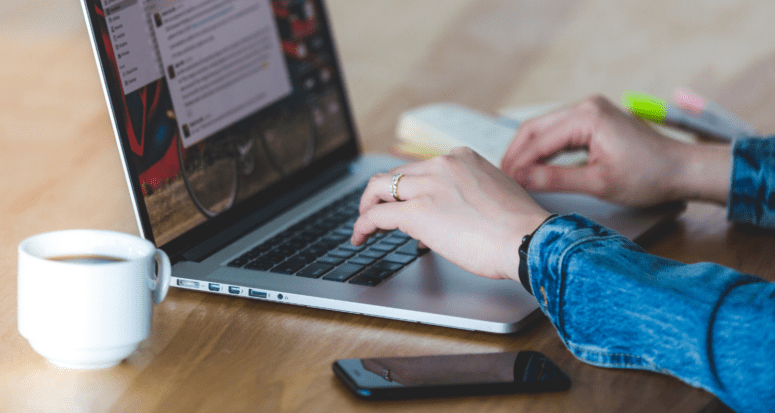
{"type": "Point", "coordinates": [319, 247]}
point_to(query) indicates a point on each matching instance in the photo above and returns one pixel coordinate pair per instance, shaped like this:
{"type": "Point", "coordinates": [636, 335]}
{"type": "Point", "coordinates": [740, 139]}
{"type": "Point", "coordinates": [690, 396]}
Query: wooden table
{"type": "Point", "coordinates": [60, 169]}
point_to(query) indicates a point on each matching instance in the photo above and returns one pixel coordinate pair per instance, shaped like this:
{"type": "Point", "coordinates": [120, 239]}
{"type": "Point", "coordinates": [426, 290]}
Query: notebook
{"type": "Point", "coordinates": [243, 164]}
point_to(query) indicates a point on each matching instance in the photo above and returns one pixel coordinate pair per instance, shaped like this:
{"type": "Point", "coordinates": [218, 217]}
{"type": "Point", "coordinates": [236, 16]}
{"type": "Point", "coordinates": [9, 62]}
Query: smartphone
{"type": "Point", "coordinates": [450, 375]}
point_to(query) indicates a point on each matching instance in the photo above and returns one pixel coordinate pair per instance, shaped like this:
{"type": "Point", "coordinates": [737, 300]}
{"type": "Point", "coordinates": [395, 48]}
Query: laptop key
{"type": "Point", "coordinates": [327, 245]}
{"type": "Point", "coordinates": [343, 272]}
{"type": "Point", "coordinates": [315, 270]}
{"type": "Point", "coordinates": [410, 248]}
{"type": "Point", "coordinates": [393, 240]}
{"type": "Point", "coordinates": [283, 250]}
{"type": "Point", "coordinates": [387, 265]}
{"type": "Point", "coordinates": [365, 280]}
{"type": "Point", "coordinates": [383, 246]}
{"type": "Point", "coordinates": [296, 243]}
{"type": "Point", "coordinates": [351, 247]}
{"type": "Point", "coordinates": [399, 258]}
{"type": "Point", "coordinates": [260, 265]}
{"type": "Point", "coordinates": [289, 267]}
{"type": "Point", "coordinates": [372, 253]}
{"type": "Point", "coordinates": [342, 253]}
{"type": "Point", "coordinates": [336, 238]}
{"type": "Point", "coordinates": [316, 250]}
{"type": "Point", "coordinates": [275, 258]}
{"type": "Point", "coordinates": [239, 262]}
{"type": "Point", "coordinates": [328, 259]}
{"type": "Point", "coordinates": [362, 260]}
{"type": "Point", "coordinates": [378, 273]}
{"type": "Point", "coordinates": [307, 258]}
{"type": "Point", "coordinates": [347, 232]}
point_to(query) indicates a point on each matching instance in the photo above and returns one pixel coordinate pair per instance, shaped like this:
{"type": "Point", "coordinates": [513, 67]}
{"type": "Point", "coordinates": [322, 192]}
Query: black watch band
{"type": "Point", "coordinates": [524, 276]}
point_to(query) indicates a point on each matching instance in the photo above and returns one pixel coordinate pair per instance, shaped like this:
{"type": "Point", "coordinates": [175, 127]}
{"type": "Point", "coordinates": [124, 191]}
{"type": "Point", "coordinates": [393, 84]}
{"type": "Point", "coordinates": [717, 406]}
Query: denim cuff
{"type": "Point", "coordinates": [553, 240]}
{"type": "Point", "coordinates": [752, 189]}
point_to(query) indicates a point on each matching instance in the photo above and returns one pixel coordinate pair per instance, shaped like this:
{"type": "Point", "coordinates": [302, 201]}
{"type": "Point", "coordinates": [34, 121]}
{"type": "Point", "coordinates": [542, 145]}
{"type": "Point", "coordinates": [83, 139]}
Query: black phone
{"type": "Point", "coordinates": [450, 375]}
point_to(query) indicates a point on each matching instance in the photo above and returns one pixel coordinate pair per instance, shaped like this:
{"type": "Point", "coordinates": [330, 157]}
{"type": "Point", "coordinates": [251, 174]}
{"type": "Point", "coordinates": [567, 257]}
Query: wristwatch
{"type": "Point", "coordinates": [524, 276]}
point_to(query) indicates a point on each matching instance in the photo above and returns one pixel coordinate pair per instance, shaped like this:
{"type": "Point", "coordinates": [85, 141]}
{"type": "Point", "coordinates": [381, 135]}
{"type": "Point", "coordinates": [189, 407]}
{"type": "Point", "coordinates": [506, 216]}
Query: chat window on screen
{"type": "Point", "coordinates": [223, 61]}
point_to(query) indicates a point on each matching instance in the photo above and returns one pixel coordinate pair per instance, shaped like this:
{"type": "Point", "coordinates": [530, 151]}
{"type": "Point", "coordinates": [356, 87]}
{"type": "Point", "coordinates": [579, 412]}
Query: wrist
{"type": "Point", "coordinates": [704, 173]}
{"type": "Point", "coordinates": [519, 245]}
{"type": "Point", "coordinates": [527, 225]}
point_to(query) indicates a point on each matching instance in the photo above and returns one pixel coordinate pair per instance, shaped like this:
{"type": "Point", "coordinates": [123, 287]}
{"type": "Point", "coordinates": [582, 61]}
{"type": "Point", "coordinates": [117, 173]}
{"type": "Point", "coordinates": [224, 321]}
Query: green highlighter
{"type": "Point", "coordinates": [646, 106]}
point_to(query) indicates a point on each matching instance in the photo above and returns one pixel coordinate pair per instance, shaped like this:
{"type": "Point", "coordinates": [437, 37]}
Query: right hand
{"type": "Point", "coordinates": [629, 161]}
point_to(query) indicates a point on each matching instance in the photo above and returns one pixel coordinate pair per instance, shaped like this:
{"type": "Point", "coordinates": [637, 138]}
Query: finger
{"type": "Point", "coordinates": [585, 179]}
{"type": "Point", "coordinates": [387, 216]}
{"type": "Point", "coordinates": [526, 131]}
{"type": "Point", "coordinates": [572, 131]}
{"type": "Point", "coordinates": [379, 187]}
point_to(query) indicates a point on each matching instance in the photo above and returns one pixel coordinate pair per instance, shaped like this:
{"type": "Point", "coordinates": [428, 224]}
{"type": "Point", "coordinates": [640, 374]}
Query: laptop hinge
{"type": "Point", "coordinates": [265, 213]}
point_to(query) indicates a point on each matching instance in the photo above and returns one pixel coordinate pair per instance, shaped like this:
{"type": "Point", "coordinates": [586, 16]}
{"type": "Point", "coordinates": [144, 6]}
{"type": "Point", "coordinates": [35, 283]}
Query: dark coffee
{"type": "Point", "coordinates": [87, 259]}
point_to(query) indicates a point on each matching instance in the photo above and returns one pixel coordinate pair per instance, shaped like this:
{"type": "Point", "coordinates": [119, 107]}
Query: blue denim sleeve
{"type": "Point", "coordinates": [752, 190]}
{"type": "Point", "coordinates": [615, 305]}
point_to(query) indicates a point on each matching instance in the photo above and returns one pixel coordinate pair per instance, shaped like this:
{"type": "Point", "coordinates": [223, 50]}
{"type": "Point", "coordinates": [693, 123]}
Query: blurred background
{"type": "Point", "coordinates": [396, 55]}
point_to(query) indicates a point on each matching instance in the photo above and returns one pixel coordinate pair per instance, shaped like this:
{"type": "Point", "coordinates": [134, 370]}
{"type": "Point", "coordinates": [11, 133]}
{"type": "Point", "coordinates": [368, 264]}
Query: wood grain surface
{"type": "Point", "coordinates": [60, 169]}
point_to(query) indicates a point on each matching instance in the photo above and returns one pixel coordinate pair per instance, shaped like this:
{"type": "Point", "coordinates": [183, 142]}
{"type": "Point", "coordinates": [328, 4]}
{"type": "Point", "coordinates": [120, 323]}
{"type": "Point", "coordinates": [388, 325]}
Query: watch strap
{"type": "Point", "coordinates": [524, 274]}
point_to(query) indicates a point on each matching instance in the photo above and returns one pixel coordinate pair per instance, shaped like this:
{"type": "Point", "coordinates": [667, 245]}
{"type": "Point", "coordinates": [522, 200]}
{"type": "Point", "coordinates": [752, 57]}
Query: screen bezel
{"type": "Point", "coordinates": [275, 193]}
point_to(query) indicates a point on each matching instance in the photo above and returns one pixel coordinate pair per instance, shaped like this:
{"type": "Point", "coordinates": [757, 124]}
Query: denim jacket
{"type": "Point", "coordinates": [615, 305]}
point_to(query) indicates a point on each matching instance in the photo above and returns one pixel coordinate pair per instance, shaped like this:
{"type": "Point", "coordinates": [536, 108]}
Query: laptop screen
{"type": "Point", "coordinates": [219, 103]}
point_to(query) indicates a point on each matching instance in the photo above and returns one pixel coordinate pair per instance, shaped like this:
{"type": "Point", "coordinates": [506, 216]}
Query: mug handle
{"type": "Point", "coordinates": [161, 284]}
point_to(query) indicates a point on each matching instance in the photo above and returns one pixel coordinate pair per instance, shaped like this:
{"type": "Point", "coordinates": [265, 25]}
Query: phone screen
{"type": "Point", "coordinates": [443, 375]}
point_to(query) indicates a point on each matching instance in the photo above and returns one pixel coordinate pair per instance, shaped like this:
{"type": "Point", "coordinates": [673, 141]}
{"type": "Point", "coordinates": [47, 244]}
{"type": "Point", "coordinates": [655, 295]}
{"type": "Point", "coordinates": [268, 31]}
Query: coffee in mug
{"type": "Point", "coordinates": [86, 259]}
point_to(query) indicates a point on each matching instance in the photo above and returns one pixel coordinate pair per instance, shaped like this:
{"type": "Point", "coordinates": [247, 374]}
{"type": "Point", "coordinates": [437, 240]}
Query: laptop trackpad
{"type": "Point", "coordinates": [434, 285]}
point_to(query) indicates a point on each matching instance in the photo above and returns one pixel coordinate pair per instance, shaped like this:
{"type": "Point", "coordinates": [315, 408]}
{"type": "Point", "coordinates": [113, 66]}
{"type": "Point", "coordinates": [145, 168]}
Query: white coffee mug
{"type": "Point", "coordinates": [86, 297]}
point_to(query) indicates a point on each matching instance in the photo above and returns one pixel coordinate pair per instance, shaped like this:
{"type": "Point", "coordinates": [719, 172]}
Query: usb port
{"type": "Point", "coordinates": [188, 283]}
{"type": "Point", "coordinates": [257, 294]}
{"type": "Point", "coordinates": [214, 287]}
{"type": "Point", "coordinates": [234, 290]}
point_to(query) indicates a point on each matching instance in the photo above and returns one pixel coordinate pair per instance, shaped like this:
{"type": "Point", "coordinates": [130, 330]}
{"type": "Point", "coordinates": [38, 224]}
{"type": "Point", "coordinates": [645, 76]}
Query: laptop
{"type": "Point", "coordinates": [243, 164]}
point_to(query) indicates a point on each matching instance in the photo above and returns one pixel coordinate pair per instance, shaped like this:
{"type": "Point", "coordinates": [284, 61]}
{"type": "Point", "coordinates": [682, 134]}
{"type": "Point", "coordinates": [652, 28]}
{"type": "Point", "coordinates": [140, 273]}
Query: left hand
{"type": "Point", "coordinates": [460, 206]}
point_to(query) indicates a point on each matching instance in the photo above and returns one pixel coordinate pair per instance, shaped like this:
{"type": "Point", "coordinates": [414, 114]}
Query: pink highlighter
{"type": "Point", "coordinates": [719, 122]}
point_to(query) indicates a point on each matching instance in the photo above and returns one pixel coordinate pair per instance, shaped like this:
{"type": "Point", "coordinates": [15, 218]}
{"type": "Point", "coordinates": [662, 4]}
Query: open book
{"type": "Point", "coordinates": [434, 129]}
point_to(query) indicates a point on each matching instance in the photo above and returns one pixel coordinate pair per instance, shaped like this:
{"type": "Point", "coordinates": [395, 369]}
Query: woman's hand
{"type": "Point", "coordinates": [460, 206]}
{"type": "Point", "coordinates": [629, 161]}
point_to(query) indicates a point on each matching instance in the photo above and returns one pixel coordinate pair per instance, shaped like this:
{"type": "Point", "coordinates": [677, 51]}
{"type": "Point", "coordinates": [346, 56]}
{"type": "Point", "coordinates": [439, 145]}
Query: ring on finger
{"type": "Point", "coordinates": [394, 186]}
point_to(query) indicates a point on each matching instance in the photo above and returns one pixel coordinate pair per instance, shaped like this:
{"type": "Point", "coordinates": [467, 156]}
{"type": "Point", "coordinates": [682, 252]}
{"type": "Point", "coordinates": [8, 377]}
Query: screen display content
{"type": "Point", "coordinates": [221, 99]}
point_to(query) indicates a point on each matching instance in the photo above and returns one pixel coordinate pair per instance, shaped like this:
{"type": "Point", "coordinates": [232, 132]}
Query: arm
{"type": "Point", "coordinates": [614, 305]}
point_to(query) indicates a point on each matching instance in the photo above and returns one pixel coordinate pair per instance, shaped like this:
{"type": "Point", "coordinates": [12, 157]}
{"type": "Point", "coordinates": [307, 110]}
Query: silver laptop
{"type": "Point", "coordinates": [243, 164]}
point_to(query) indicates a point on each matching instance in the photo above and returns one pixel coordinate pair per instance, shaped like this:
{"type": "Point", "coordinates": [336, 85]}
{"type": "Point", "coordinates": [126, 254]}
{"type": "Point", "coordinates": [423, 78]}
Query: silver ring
{"type": "Point", "coordinates": [394, 186]}
{"type": "Point", "coordinates": [386, 374]}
